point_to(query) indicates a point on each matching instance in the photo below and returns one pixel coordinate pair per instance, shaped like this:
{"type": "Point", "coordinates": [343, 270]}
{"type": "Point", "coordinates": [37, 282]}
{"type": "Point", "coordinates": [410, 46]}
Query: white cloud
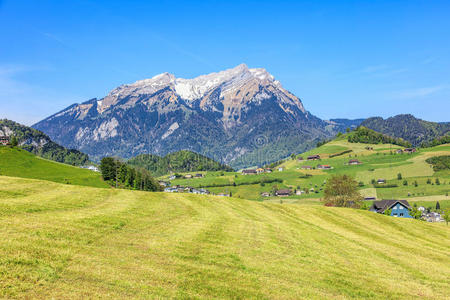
{"type": "Point", "coordinates": [419, 92]}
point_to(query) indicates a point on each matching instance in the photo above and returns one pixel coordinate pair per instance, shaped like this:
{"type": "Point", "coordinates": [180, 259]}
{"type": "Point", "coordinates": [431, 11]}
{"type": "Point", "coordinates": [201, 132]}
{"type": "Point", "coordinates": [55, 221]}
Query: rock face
{"type": "Point", "coordinates": [239, 116]}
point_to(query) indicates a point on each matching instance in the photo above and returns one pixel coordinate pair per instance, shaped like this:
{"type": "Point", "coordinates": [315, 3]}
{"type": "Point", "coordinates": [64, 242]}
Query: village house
{"type": "Point", "coordinates": [313, 157]}
{"type": "Point", "coordinates": [4, 140]}
{"type": "Point", "coordinates": [265, 194]}
{"type": "Point", "coordinates": [354, 162]}
{"type": "Point", "coordinates": [399, 151]}
{"type": "Point", "coordinates": [164, 183]}
{"type": "Point", "coordinates": [306, 167]}
{"type": "Point", "coordinates": [324, 167]}
{"type": "Point", "coordinates": [249, 172]}
{"type": "Point", "coordinates": [381, 181]}
{"type": "Point", "coordinates": [260, 170]}
{"type": "Point", "coordinates": [299, 192]}
{"type": "Point", "coordinates": [398, 208]}
{"type": "Point", "coordinates": [172, 177]}
{"type": "Point", "coordinates": [280, 169]}
{"type": "Point", "coordinates": [198, 175]}
{"type": "Point", "coordinates": [422, 209]}
{"type": "Point", "coordinates": [188, 176]}
{"type": "Point", "coordinates": [283, 192]}
{"type": "Point", "coordinates": [432, 217]}
{"type": "Point", "coordinates": [410, 150]}
{"type": "Point", "coordinates": [267, 170]}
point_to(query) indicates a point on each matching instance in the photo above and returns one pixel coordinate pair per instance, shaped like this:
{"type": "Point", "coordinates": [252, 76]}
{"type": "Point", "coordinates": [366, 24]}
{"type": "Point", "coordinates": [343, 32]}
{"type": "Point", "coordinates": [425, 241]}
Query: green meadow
{"type": "Point", "coordinates": [20, 163]}
{"type": "Point", "coordinates": [60, 241]}
{"type": "Point", "coordinates": [380, 162]}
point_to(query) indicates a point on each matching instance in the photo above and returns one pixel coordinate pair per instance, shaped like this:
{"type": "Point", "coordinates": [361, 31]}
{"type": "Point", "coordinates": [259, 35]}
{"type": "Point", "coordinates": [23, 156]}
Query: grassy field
{"type": "Point", "coordinates": [63, 241]}
{"type": "Point", "coordinates": [20, 163]}
{"type": "Point", "coordinates": [381, 162]}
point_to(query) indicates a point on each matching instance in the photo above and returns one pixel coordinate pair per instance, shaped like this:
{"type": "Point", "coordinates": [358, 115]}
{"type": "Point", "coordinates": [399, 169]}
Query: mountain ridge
{"type": "Point", "coordinates": [239, 116]}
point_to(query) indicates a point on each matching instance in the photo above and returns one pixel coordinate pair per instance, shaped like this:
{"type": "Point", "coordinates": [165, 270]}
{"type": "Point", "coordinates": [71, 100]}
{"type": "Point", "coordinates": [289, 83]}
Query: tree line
{"type": "Point", "coordinates": [368, 136]}
{"type": "Point", "coordinates": [121, 175]}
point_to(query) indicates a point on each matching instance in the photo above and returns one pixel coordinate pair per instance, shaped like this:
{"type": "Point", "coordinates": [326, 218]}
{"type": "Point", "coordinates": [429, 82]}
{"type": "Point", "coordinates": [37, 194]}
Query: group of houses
{"type": "Point", "coordinates": [258, 171]}
{"type": "Point", "coordinates": [187, 176]}
{"type": "Point", "coordinates": [4, 140]}
{"type": "Point", "coordinates": [401, 209]}
{"type": "Point", "coordinates": [187, 189]}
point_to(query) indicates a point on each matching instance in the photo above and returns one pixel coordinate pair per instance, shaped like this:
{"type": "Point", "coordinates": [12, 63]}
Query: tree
{"type": "Point", "coordinates": [342, 191]}
{"type": "Point", "coordinates": [447, 216]}
{"type": "Point", "coordinates": [438, 206]}
{"type": "Point", "coordinates": [415, 183]}
{"type": "Point", "coordinates": [415, 213]}
{"type": "Point", "coordinates": [405, 182]}
{"type": "Point", "coordinates": [14, 142]}
{"type": "Point", "coordinates": [108, 168]}
{"type": "Point", "coordinates": [428, 181]}
{"type": "Point", "coordinates": [437, 181]}
{"type": "Point", "coordinates": [399, 176]}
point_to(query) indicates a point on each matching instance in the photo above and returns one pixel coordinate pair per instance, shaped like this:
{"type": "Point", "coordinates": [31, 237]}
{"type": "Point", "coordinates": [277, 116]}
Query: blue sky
{"type": "Point", "coordinates": [344, 59]}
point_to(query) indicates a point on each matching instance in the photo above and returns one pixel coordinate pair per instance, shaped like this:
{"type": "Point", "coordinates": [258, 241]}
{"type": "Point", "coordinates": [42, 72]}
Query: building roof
{"type": "Point", "coordinates": [251, 171]}
{"type": "Point", "coordinates": [284, 192]}
{"type": "Point", "coordinates": [382, 205]}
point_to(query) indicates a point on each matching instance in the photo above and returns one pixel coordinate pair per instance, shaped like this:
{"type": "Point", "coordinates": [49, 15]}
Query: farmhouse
{"type": "Point", "coordinates": [432, 217]}
{"type": "Point", "coordinates": [283, 192]}
{"type": "Point", "coordinates": [354, 162]}
{"type": "Point", "coordinates": [313, 157]}
{"type": "Point", "coordinates": [4, 140]}
{"type": "Point", "coordinates": [187, 176]}
{"type": "Point", "coordinates": [280, 169]}
{"type": "Point", "coordinates": [399, 151]}
{"type": "Point", "coordinates": [172, 177]}
{"type": "Point", "coordinates": [410, 150]}
{"type": "Point", "coordinates": [249, 172]}
{"type": "Point", "coordinates": [299, 192]}
{"type": "Point", "coordinates": [381, 181]}
{"type": "Point", "coordinates": [260, 170]}
{"type": "Point", "coordinates": [267, 170]}
{"type": "Point", "coordinates": [300, 158]}
{"type": "Point", "coordinates": [265, 194]}
{"type": "Point", "coordinates": [397, 208]}
{"type": "Point", "coordinates": [199, 175]}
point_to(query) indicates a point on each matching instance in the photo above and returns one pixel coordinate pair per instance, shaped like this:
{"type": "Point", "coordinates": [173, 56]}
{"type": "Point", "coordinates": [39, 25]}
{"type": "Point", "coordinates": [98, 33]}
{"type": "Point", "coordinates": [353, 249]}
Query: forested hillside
{"type": "Point", "coordinates": [409, 128]}
{"type": "Point", "coordinates": [368, 136]}
{"type": "Point", "coordinates": [36, 142]}
{"type": "Point", "coordinates": [180, 161]}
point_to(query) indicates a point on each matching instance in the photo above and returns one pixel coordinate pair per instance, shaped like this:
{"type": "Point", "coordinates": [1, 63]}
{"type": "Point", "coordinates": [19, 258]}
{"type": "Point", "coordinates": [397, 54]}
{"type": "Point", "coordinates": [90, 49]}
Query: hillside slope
{"type": "Point", "coordinates": [20, 163]}
{"type": "Point", "coordinates": [409, 128]}
{"type": "Point", "coordinates": [36, 142]}
{"type": "Point", "coordinates": [60, 241]}
{"type": "Point", "coordinates": [180, 161]}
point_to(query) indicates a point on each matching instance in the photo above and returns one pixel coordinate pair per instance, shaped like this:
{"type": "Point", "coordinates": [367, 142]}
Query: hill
{"type": "Point", "coordinates": [20, 163]}
{"type": "Point", "coordinates": [369, 136]}
{"type": "Point", "coordinates": [377, 161]}
{"type": "Point", "coordinates": [36, 142]}
{"type": "Point", "coordinates": [409, 128]}
{"type": "Point", "coordinates": [241, 116]}
{"type": "Point", "coordinates": [62, 241]}
{"type": "Point", "coordinates": [180, 161]}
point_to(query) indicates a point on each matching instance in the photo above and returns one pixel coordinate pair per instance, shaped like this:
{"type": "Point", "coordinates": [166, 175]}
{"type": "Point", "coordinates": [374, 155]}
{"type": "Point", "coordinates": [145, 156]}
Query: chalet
{"type": "Point", "coordinates": [268, 170]}
{"type": "Point", "coordinates": [199, 175]}
{"type": "Point", "coordinates": [313, 157]}
{"type": "Point", "coordinates": [260, 170]}
{"type": "Point", "coordinates": [280, 169]}
{"type": "Point", "coordinates": [188, 176]}
{"type": "Point", "coordinates": [324, 167]}
{"type": "Point", "coordinates": [249, 172]}
{"type": "Point", "coordinates": [283, 192]}
{"type": "Point", "coordinates": [306, 167]}
{"type": "Point", "coordinates": [4, 140]}
{"type": "Point", "coordinates": [410, 150]}
{"type": "Point", "coordinates": [381, 181]}
{"type": "Point", "coordinates": [265, 194]}
{"type": "Point", "coordinates": [397, 208]}
{"type": "Point", "coordinates": [354, 162]}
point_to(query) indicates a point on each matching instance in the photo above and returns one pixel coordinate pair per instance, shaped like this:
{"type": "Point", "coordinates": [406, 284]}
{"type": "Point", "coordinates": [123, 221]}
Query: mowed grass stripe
{"type": "Point", "coordinates": [127, 244]}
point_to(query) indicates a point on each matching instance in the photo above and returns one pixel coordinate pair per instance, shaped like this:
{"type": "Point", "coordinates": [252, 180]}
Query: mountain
{"type": "Point", "coordinates": [239, 116]}
{"type": "Point", "coordinates": [409, 128]}
{"type": "Point", "coordinates": [36, 142]}
{"type": "Point", "coordinates": [180, 161]}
